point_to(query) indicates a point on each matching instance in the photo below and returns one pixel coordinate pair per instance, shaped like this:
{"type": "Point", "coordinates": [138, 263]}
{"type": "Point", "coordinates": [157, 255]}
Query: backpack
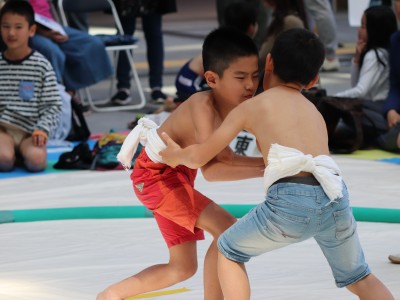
{"type": "Point", "coordinates": [106, 149]}
{"type": "Point", "coordinates": [63, 129]}
{"type": "Point", "coordinates": [335, 109]}
{"type": "Point", "coordinates": [80, 158]}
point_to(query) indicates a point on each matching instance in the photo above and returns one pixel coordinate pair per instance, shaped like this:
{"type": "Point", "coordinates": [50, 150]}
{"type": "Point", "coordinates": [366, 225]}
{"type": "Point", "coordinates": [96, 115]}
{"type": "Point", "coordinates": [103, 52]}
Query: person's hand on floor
{"type": "Point", "coordinates": [392, 118]}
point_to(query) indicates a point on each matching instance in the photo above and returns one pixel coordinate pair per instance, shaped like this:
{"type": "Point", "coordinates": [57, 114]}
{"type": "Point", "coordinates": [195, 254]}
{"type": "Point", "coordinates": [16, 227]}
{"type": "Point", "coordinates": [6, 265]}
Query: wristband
{"type": "Point", "coordinates": [39, 132]}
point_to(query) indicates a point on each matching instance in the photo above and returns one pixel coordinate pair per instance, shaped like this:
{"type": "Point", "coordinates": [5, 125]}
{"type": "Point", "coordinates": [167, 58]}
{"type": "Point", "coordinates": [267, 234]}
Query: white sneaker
{"type": "Point", "coordinates": [330, 65]}
{"type": "Point", "coordinates": [395, 258]}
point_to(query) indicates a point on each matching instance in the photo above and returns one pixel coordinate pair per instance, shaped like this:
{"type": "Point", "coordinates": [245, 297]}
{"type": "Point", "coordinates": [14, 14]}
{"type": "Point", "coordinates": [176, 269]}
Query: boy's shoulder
{"type": "Point", "coordinates": [199, 104]}
{"type": "Point", "coordinates": [200, 98]}
{"type": "Point", "coordinates": [39, 58]}
{"type": "Point", "coordinates": [34, 58]}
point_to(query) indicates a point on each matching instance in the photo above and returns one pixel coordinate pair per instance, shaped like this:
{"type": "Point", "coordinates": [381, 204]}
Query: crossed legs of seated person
{"type": "Point", "coordinates": [31, 148]}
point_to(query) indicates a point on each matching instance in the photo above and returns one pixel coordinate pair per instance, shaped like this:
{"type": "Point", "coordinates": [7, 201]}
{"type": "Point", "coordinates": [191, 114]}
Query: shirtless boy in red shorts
{"type": "Point", "coordinates": [230, 60]}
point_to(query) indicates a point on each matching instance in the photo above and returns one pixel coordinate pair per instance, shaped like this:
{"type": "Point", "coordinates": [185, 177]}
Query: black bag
{"type": "Point", "coordinates": [335, 109]}
{"type": "Point", "coordinates": [80, 158]}
{"type": "Point", "coordinates": [79, 128]}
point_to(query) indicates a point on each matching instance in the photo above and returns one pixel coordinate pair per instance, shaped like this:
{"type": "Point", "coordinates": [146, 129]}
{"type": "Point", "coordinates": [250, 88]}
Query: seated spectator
{"type": "Point", "coordinates": [79, 59]}
{"type": "Point", "coordinates": [392, 105]}
{"type": "Point", "coordinates": [30, 103]}
{"type": "Point", "coordinates": [391, 139]}
{"type": "Point", "coordinates": [370, 69]}
{"type": "Point", "coordinates": [241, 15]}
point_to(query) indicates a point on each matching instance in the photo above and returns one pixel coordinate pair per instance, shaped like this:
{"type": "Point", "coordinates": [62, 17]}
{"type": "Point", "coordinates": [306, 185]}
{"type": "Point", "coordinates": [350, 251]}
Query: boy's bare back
{"type": "Point", "coordinates": [282, 115]}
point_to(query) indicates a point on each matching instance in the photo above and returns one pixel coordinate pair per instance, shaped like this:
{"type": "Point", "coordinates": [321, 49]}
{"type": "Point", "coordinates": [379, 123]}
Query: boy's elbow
{"type": "Point", "coordinates": [209, 175]}
{"type": "Point", "coordinates": [195, 161]}
{"type": "Point", "coordinates": [195, 164]}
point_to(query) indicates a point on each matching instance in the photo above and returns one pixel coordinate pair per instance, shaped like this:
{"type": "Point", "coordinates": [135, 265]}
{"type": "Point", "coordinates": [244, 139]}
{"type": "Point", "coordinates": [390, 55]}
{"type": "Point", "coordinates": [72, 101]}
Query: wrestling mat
{"type": "Point", "coordinates": [76, 259]}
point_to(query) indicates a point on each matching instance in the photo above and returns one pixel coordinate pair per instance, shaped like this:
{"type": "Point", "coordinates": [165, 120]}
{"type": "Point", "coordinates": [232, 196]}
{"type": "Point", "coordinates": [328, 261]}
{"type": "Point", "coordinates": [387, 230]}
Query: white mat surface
{"type": "Point", "coordinates": [62, 260]}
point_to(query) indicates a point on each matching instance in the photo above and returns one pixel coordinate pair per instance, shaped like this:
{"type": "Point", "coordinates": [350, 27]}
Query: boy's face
{"type": "Point", "coordinates": [239, 81]}
{"type": "Point", "coordinates": [15, 31]}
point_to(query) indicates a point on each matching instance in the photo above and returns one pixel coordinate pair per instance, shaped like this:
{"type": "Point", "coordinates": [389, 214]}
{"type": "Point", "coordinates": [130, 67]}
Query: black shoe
{"type": "Point", "coordinates": [122, 97]}
{"type": "Point", "coordinates": [158, 96]}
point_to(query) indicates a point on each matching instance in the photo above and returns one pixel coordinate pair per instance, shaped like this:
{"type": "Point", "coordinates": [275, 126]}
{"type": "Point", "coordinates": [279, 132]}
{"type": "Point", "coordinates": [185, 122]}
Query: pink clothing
{"type": "Point", "coordinates": [42, 7]}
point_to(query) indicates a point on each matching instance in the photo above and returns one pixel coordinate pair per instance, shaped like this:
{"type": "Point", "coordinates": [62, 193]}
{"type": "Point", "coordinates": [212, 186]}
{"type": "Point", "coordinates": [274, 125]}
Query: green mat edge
{"type": "Point", "coordinates": [363, 214]}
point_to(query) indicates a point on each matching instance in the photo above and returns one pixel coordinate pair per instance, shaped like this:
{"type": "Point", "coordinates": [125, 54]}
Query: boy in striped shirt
{"type": "Point", "coordinates": [30, 102]}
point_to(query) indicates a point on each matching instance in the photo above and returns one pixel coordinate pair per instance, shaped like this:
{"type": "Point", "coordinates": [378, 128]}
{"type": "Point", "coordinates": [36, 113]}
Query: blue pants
{"type": "Point", "coordinates": [152, 28]}
{"type": "Point", "coordinates": [79, 62]}
{"type": "Point", "coordinates": [293, 213]}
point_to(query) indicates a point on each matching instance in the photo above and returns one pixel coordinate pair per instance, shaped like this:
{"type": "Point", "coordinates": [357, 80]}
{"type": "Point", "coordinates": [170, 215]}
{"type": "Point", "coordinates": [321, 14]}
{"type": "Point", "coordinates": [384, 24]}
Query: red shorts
{"type": "Point", "coordinates": [169, 193]}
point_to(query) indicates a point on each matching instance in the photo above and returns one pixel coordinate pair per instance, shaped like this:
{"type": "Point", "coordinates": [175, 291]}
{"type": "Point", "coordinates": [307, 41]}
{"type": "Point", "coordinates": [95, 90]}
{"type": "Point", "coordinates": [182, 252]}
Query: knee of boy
{"type": "Point", "coordinates": [7, 156]}
{"type": "Point", "coordinates": [6, 165]}
{"type": "Point", "coordinates": [184, 272]}
{"type": "Point", "coordinates": [35, 163]}
{"type": "Point", "coordinates": [35, 166]}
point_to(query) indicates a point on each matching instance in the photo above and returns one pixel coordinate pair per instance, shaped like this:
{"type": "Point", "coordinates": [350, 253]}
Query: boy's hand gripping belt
{"type": "Point", "coordinates": [144, 133]}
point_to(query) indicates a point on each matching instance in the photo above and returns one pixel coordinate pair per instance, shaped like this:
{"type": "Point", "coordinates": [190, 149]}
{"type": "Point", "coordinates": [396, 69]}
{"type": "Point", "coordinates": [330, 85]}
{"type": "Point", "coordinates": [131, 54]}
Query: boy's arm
{"type": "Point", "coordinates": [220, 171]}
{"type": "Point", "coordinates": [55, 36]}
{"type": "Point", "coordinates": [228, 165]}
{"type": "Point", "coordinates": [197, 155]}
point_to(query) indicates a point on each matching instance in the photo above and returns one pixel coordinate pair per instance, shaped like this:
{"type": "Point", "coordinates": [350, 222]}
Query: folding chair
{"type": "Point", "coordinates": [80, 6]}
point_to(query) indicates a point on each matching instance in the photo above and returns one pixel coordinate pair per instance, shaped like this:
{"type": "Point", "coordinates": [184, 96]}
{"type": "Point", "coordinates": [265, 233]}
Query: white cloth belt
{"type": "Point", "coordinates": [285, 161]}
{"type": "Point", "coordinates": [146, 134]}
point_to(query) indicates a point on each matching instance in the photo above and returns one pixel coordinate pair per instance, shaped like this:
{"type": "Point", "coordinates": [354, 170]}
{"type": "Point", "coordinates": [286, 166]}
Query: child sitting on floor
{"type": "Point", "coordinates": [30, 102]}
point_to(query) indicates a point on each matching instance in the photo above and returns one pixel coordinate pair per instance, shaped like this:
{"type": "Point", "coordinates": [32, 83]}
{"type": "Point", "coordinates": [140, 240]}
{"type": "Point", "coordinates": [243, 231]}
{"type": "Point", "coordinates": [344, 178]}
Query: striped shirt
{"type": "Point", "coordinates": [29, 95]}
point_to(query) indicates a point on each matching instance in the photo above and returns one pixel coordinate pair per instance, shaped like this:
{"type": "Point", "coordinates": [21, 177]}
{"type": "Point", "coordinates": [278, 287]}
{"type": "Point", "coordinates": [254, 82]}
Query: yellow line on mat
{"type": "Point", "coordinates": [161, 293]}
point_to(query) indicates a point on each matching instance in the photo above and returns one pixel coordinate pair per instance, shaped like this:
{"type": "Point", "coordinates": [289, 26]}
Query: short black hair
{"type": "Point", "coordinates": [240, 15]}
{"type": "Point", "coordinates": [19, 7]}
{"type": "Point", "coordinates": [297, 55]}
{"type": "Point", "coordinates": [224, 45]}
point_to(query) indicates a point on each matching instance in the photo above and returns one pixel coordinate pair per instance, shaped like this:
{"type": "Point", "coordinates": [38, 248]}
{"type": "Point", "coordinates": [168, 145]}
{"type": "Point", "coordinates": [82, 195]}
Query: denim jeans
{"type": "Point", "coordinates": [293, 213]}
{"type": "Point", "coordinates": [152, 28]}
{"type": "Point", "coordinates": [79, 62]}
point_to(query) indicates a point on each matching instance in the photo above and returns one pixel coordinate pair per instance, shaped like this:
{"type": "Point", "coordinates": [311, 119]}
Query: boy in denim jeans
{"type": "Point", "coordinates": [305, 193]}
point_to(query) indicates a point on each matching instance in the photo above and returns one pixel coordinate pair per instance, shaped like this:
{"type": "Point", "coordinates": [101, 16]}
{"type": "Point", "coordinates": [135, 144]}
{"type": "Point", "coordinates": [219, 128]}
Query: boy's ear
{"type": "Point", "coordinates": [32, 30]}
{"type": "Point", "coordinates": [252, 30]}
{"type": "Point", "coordinates": [269, 68]}
{"type": "Point", "coordinates": [312, 82]}
{"type": "Point", "coordinates": [269, 64]}
{"type": "Point", "coordinates": [211, 78]}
